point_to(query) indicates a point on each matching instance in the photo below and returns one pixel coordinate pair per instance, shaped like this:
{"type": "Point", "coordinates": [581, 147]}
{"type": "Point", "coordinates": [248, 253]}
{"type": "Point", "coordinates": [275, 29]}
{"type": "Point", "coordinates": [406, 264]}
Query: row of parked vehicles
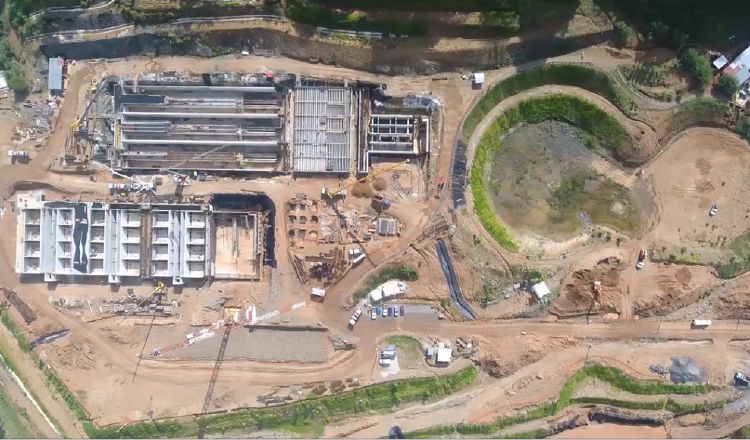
{"type": "Point", "coordinates": [384, 311]}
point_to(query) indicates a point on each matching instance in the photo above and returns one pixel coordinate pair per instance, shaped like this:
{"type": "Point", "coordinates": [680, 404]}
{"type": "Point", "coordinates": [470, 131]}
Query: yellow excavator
{"type": "Point", "coordinates": [326, 192]}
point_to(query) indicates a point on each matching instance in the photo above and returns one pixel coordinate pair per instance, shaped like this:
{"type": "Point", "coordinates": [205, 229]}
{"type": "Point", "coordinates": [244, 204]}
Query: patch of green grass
{"type": "Point", "coordinates": [568, 193]}
{"type": "Point", "coordinates": [14, 420]}
{"type": "Point", "coordinates": [575, 111]}
{"type": "Point", "coordinates": [406, 344]}
{"type": "Point", "coordinates": [403, 273]}
{"type": "Point", "coordinates": [611, 375]}
{"type": "Point", "coordinates": [12, 327]}
{"type": "Point", "coordinates": [584, 77]}
{"type": "Point", "coordinates": [306, 12]}
{"type": "Point", "coordinates": [738, 263]}
{"type": "Point", "coordinates": [618, 379]}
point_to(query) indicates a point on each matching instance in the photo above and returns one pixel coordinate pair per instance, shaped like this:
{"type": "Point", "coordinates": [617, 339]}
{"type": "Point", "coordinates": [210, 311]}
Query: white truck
{"type": "Point", "coordinates": [355, 318]}
{"type": "Point", "coordinates": [700, 323]}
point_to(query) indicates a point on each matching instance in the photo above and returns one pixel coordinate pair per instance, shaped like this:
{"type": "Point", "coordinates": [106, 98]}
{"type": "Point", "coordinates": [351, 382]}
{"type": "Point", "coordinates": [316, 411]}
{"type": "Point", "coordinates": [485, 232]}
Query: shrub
{"type": "Point", "coordinates": [727, 85]}
{"type": "Point", "coordinates": [16, 78]}
{"type": "Point", "coordinates": [700, 111]}
{"type": "Point", "coordinates": [697, 64]}
{"type": "Point", "coordinates": [743, 128]}
{"type": "Point", "coordinates": [626, 35]}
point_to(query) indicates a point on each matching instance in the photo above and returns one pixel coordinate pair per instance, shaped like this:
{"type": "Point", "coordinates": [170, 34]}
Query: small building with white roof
{"type": "Point", "coordinates": [541, 290]}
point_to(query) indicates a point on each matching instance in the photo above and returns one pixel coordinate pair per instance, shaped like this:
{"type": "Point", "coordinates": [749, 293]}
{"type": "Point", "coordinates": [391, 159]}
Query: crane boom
{"type": "Point", "coordinates": [333, 193]}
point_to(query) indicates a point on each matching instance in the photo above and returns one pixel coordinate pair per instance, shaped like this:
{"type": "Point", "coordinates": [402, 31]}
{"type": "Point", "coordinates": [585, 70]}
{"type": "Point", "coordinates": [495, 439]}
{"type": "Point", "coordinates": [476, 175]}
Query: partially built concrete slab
{"type": "Point", "coordinates": [179, 242]}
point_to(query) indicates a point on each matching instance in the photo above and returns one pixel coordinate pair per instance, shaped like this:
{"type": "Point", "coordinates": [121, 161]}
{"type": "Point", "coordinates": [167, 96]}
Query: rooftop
{"type": "Point", "coordinates": [740, 67]}
{"type": "Point", "coordinates": [443, 355]}
{"type": "Point", "coordinates": [55, 75]}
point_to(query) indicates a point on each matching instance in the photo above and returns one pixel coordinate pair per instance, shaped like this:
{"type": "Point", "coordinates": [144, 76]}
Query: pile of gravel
{"type": "Point", "coordinates": [684, 369]}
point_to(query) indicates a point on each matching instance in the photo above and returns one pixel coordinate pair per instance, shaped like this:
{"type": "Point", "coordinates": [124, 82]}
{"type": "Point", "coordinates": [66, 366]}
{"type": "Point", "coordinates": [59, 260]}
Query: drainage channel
{"type": "Point", "coordinates": [450, 276]}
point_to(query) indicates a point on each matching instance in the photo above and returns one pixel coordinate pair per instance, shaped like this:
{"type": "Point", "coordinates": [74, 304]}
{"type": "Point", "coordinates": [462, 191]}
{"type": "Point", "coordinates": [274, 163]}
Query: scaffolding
{"type": "Point", "coordinates": [322, 126]}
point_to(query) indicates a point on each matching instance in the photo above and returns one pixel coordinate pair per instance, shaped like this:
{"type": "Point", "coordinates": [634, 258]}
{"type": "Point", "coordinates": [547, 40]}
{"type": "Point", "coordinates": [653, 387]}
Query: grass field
{"type": "Point", "coordinates": [584, 77]}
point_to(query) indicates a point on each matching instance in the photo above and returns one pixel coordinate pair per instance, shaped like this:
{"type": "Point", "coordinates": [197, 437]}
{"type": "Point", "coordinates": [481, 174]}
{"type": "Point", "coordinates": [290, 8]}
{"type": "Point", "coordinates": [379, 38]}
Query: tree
{"type": "Point", "coordinates": [727, 85]}
{"type": "Point", "coordinates": [16, 78]}
{"type": "Point", "coordinates": [626, 35]}
{"type": "Point", "coordinates": [698, 65]}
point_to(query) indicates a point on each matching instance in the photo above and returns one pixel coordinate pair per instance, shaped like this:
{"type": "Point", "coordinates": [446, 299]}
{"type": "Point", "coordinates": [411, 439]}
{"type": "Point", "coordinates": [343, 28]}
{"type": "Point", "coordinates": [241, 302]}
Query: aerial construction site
{"type": "Point", "coordinates": [255, 246]}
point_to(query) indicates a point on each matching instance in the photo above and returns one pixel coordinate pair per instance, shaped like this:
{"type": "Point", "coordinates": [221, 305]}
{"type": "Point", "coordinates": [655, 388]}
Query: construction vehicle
{"type": "Point", "coordinates": [326, 192]}
{"type": "Point", "coordinates": [641, 263]}
{"type": "Point", "coordinates": [440, 186]}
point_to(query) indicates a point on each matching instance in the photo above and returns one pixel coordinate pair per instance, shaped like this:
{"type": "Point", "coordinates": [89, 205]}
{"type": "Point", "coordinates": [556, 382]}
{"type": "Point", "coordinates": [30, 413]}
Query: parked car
{"type": "Point", "coordinates": [385, 312]}
{"type": "Point", "coordinates": [714, 210]}
{"type": "Point", "coordinates": [374, 314]}
{"type": "Point", "coordinates": [390, 311]}
{"type": "Point", "coordinates": [378, 311]}
{"type": "Point", "coordinates": [352, 322]}
{"type": "Point", "coordinates": [395, 311]}
{"type": "Point", "coordinates": [401, 310]}
{"type": "Point", "coordinates": [358, 313]}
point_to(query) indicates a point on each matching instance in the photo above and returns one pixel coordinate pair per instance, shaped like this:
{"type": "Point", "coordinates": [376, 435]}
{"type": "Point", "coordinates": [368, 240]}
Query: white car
{"type": "Point", "coordinates": [358, 313]}
{"type": "Point", "coordinates": [714, 210]}
{"type": "Point", "coordinates": [373, 315]}
{"type": "Point", "coordinates": [352, 322]}
{"type": "Point", "coordinates": [385, 311]}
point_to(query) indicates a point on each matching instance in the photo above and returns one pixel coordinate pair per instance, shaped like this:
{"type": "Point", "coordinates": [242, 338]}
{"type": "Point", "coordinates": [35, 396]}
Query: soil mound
{"type": "Point", "coordinates": [578, 297]}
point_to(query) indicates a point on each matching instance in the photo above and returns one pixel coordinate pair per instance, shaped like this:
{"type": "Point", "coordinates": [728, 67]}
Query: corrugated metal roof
{"type": "Point", "coordinates": [740, 67]}
{"type": "Point", "coordinates": [720, 62]}
{"type": "Point", "coordinates": [55, 76]}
